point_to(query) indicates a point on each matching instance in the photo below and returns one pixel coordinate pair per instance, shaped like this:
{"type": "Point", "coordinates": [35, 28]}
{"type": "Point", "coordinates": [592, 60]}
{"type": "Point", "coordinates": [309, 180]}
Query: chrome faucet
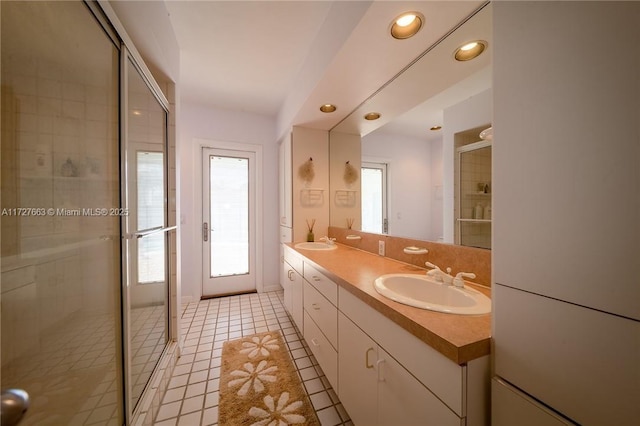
{"type": "Point", "coordinates": [446, 277]}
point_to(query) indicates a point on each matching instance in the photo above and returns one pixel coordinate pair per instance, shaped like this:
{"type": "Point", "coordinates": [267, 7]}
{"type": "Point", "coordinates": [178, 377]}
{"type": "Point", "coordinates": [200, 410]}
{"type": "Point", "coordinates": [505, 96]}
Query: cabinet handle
{"type": "Point", "coordinates": [315, 306]}
{"type": "Point", "coordinates": [290, 275]}
{"type": "Point", "coordinates": [315, 343]}
{"type": "Point", "coordinates": [366, 358]}
{"type": "Point", "coordinates": [316, 278]}
{"type": "Point", "coordinates": [379, 365]}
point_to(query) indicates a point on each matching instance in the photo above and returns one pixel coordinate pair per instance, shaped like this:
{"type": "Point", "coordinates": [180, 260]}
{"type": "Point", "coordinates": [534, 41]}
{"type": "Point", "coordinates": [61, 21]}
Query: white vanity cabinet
{"type": "Point", "coordinates": [381, 365]}
{"type": "Point", "coordinates": [321, 321]}
{"type": "Point", "coordinates": [383, 374]}
{"type": "Point", "coordinates": [376, 389]}
{"type": "Point", "coordinates": [292, 284]}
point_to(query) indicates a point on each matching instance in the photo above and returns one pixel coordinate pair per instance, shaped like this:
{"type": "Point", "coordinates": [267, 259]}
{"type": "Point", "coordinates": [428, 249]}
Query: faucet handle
{"type": "Point", "coordinates": [431, 265]}
{"type": "Point", "coordinates": [458, 281]}
{"type": "Point", "coordinates": [328, 240]}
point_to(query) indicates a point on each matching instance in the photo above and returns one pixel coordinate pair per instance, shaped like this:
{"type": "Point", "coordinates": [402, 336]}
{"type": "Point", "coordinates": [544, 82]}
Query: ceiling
{"type": "Point", "coordinates": [282, 58]}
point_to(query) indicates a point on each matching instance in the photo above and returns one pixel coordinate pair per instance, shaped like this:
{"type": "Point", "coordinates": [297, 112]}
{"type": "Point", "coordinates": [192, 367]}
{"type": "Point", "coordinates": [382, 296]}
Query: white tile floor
{"type": "Point", "coordinates": [192, 395]}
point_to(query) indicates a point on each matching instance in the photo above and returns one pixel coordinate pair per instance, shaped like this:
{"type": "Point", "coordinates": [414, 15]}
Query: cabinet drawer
{"type": "Point", "coordinates": [293, 259]}
{"type": "Point", "coordinates": [322, 312]}
{"type": "Point", "coordinates": [324, 285]}
{"type": "Point", "coordinates": [326, 355]}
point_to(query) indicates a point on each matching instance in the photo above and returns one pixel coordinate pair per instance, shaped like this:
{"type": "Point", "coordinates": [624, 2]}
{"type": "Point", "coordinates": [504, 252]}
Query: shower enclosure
{"type": "Point", "coordinates": [473, 206]}
{"type": "Point", "coordinates": [85, 227]}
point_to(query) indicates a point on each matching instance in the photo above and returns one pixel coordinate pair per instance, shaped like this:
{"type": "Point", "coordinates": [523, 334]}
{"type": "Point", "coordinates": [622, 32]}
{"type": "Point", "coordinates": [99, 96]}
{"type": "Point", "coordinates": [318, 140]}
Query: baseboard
{"type": "Point", "coordinates": [274, 287]}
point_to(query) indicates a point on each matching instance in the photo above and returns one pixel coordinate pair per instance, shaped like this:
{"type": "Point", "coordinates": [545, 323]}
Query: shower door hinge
{"type": "Point", "coordinates": [385, 226]}
{"type": "Point", "coordinates": [205, 231]}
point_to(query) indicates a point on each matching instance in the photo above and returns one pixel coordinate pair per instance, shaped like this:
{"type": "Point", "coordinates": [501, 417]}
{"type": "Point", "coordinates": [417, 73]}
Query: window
{"type": "Point", "coordinates": [150, 191]}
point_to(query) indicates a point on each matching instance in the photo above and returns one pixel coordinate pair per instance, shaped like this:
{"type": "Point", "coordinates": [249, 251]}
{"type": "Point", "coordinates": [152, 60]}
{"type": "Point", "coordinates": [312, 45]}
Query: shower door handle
{"type": "Point", "coordinates": [205, 231]}
{"type": "Point", "coordinates": [151, 231]}
{"type": "Point", "coordinates": [15, 403]}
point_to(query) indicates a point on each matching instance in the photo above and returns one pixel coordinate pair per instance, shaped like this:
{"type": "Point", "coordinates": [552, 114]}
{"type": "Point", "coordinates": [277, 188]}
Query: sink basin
{"type": "Point", "coordinates": [423, 292]}
{"type": "Point", "coordinates": [317, 245]}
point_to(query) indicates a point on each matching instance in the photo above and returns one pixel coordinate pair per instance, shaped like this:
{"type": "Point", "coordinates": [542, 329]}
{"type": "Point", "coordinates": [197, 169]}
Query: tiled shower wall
{"type": "Point", "coordinates": [59, 151]}
{"type": "Point", "coordinates": [475, 175]}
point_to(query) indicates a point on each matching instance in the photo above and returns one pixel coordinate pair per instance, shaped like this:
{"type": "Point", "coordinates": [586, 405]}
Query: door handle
{"type": "Point", "coordinates": [15, 403]}
{"type": "Point", "coordinates": [147, 232]}
{"type": "Point", "coordinates": [205, 231]}
{"type": "Point", "coordinates": [379, 364]}
{"type": "Point", "coordinates": [366, 358]}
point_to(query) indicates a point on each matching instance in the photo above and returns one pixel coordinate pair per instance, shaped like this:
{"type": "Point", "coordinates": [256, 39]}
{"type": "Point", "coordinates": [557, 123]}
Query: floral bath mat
{"type": "Point", "coordinates": [259, 385]}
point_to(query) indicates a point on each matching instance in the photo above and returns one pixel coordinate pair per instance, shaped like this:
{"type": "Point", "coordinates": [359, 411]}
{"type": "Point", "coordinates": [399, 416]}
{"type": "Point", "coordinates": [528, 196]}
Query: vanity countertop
{"type": "Point", "coordinates": [461, 338]}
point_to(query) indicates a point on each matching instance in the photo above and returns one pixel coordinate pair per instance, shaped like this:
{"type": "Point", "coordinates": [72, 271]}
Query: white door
{"type": "Point", "coordinates": [228, 225]}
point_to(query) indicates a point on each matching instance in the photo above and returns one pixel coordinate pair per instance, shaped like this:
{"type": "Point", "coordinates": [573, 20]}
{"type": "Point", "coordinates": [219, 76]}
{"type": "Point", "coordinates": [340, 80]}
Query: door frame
{"type": "Point", "coordinates": [258, 202]}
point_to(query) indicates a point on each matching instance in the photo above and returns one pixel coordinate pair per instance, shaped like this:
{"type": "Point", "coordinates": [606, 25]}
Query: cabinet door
{"type": "Point", "coordinates": [285, 182]}
{"type": "Point", "coordinates": [512, 407]}
{"type": "Point", "coordinates": [403, 400]}
{"type": "Point", "coordinates": [357, 374]}
{"type": "Point", "coordinates": [297, 298]}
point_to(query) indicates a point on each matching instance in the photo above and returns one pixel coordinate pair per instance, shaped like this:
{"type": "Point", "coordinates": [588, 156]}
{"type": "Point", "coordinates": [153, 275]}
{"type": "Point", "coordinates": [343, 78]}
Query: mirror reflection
{"type": "Point", "coordinates": [410, 175]}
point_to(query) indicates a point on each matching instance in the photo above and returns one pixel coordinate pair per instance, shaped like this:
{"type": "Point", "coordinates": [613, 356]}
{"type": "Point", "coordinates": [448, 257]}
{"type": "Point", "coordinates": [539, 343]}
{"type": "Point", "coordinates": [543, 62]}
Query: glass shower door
{"type": "Point", "coordinates": [145, 180]}
{"type": "Point", "coordinates": [474, 195]}
{"type": "Point", "coordinates": [60, 203]}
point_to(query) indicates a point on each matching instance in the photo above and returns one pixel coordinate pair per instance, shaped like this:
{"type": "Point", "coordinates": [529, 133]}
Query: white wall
{"type": "Point", "coordinates": [437, 177]}
{"type": "Point", "coordinates": [201, 122]}
{"type": "Point", "coordinates": [473, 112]}
{"type": "Point", "coordinates": [410, 182]}
{"type": "Point", "coordinates": [309, 203]}
{"type": "Point", "coordinates": [345, 147]}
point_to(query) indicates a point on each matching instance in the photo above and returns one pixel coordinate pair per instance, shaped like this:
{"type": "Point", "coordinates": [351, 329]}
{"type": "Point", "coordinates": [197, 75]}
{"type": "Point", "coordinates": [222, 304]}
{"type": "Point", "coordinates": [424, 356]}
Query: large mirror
{"type": "Point", "coordinates": [408, 171]}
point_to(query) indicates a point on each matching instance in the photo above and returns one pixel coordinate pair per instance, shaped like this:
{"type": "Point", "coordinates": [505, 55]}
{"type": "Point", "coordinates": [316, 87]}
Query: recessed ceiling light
{"type": "Point", "coordinates": [406, 25]}
{"type": "Point", "coordinates": [372, 116]}
{"type": "Point", "coordinates": [470, 50]}
{"type": "Point", "coordinates": [434, 128]}
{"type": "Point", "coordinates": [328, 108]}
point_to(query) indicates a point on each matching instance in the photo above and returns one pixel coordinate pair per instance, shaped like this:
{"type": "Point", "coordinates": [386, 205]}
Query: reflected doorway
{"type": "Point", "coordinates": [374, 198]}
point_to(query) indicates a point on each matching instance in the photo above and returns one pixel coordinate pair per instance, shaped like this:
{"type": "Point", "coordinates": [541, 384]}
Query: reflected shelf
{"type": "Point", "coordinates": [345, 197]}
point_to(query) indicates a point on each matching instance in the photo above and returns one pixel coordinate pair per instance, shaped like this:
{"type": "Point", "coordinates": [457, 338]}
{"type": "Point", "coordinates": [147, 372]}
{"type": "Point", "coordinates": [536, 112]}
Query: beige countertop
{"type": "Point", "coordinates": [461, 338]}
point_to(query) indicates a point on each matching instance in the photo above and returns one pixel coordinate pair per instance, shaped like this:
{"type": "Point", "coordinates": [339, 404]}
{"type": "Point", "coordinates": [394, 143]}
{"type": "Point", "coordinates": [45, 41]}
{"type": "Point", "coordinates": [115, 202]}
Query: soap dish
{"type": "Point", "coordinates": [415, 250]}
